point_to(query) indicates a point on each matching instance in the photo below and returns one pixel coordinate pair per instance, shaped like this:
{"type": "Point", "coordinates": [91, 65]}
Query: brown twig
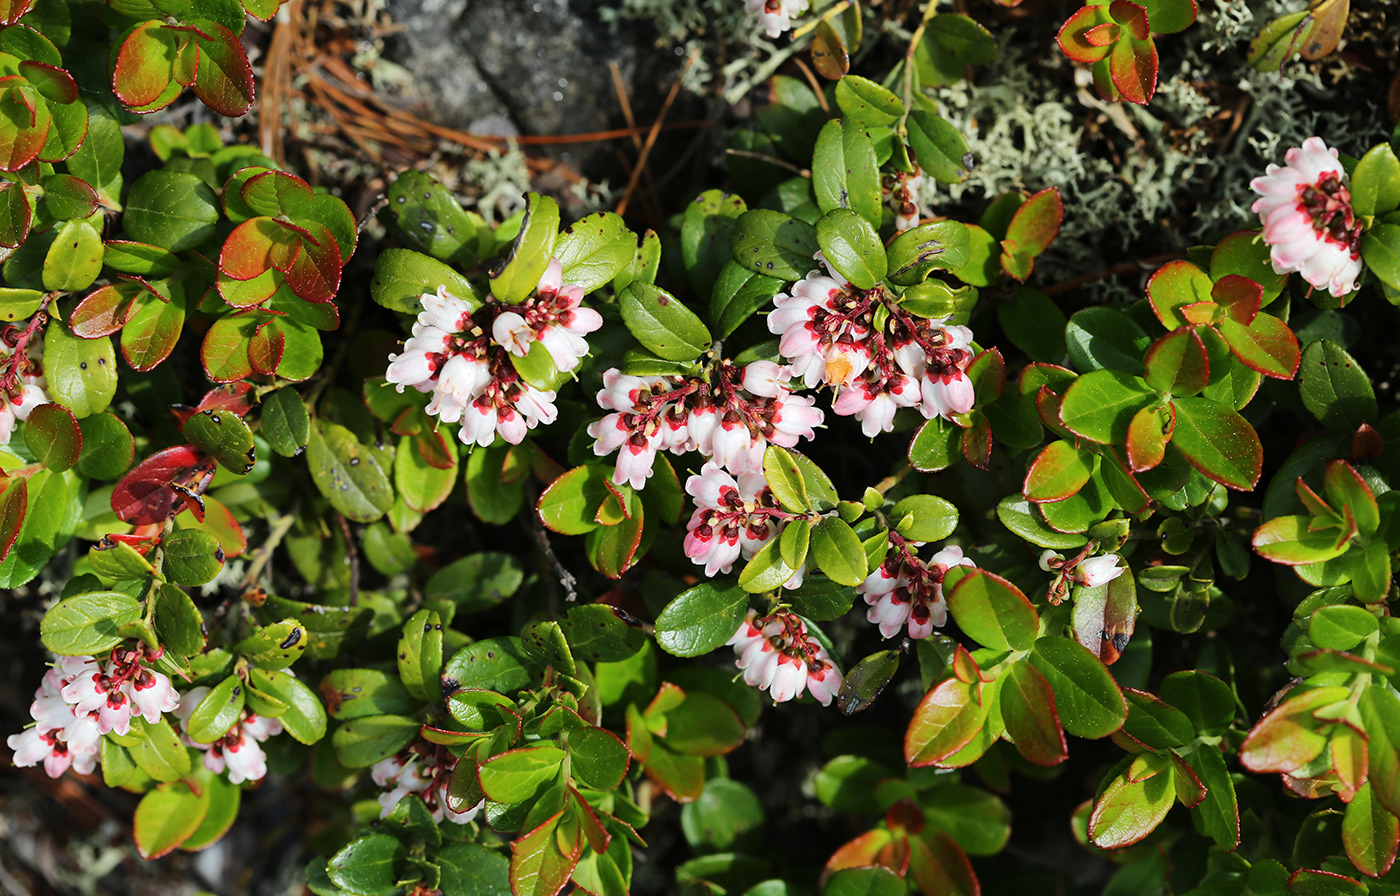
{"type": "Point", "coordinates": [352, 554]}
{"type": "Point", "coordinates": [1137, 265]}
{"type": "Point", "coordinates": [655, 130]}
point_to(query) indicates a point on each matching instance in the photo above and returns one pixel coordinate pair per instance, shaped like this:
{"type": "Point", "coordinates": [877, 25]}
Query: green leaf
{"type": "Point", "coordinates": [993, 612]}
{"type": "Point", "coordinates": [873, 881]}
{"type": "Point", "coordinates": [179, 624]}
{"type": "Point", "coordinates": [225, 437]}
{"type": "Point", "coordinates": [174, 210]}
{"type": "Point", "coordinates": [1060, 470]}
{"type": "Point", "coordinates": [1380, 249]}
{"type": "Point", "coordinates": [1128, 811]}
{"type": "Point", "coordinates": [430, 220]}
{"type": "Point", "coordinates": [774, 244]}
{"type": "Point", "coordinates": [1206, 700]}
{"type": "Point", "coordinates": [725, 811]}
{"type": "Point", "coordinates": [852, 247]}
{"type": "Point", "coordinates": [87, 624]}
{"type": "Point", "coordinates": [284, 422]}
{"type": "Point", "coordinates": [737, 294]}
{"type": "Point", "coordinates": [159, 753]}
{"type": "Point", "coordinates": [477, 581]}
{"type": "Point", "coordinates": [571, 503]}
{"type": "Point", "coordinates": [402, 276]}
{"type": "Point", "coordinates": [167, 817]}
{"type": "Point", "coordinates": [192, 557]}
{"type": "Point", "coordinates": [1020, 516]}
{"type": "Point", "coordinates": [368, 866]}
{"type": "Point", "coordinates": [108, 447]}
{"type": "Point", "coordinates": [1154, 723]}
{"type": "Point", "coordinates": [700, 619]}
{"type": "Point", "coordinates": [951, 43]}
{"type": "Point", "coordinates": [470, 869]}
{"type": "Point", "coordinates": [1370, 833]}
{"type": "Point", "coordinates": [597, 633]}
{"type": "Point", "coordinates": [1218, 442]}
{"type": "Point", "coordinates": [531, 252]}
{"type": "Point", "coordinates": [1334, 388]}
{"type": "Point", "coordinates": [495, 664]}
{"type": "Point", "coordinates": [544, 642]}
{"type": "Point", "coordinates": [707, 229]}
{"type": "Point", "coordinates": [81, 373]}
{"type": "Point", "coordinates": [348, 473]}
{"type": "Point", "coordinates": [838, 552]}
{"type": "Point", "coordinates": [1086, 695]}
{"type": "Point", "coordinates": [52, 435]}
{"type": "Point", "coordinates": [785, 479]}
{"type": "Point", "coordinates": [420, 655]}
{"type": "Point", "coordinates": [1340, 626]}
{"type": "Point", "coordinates": [1028, 709]}
{"type": "Point", "coordinates": [845, 174]}
{"type": "Point", "coordinates": [1375, 182]}
{"type": "Point", "coordinates": [936, 246]}
{"type": "Point", "coordinates": [1290, 540]}
{"type": "Point", "coordinates": [867, 102]}
{"type": "Point", "coordinates": [594, 249]}
{"type": "Point", "coordinates": [1100, 405]}
{"type": "Point", "coordinates": [939, 147]}
{"type": "Point", "coordinates": [519, 775]}
{"type": "Point", "coordinates": [219, 711]}
{"type": "Point", "coordinates": [820, 599]}
{"type": "Point", "coordinates": [364, 741]}
{"type": "Point", "coordinates": [274, 646]}
{"type": "Point", "coordinates": [599, 759]}
{"type": "Point", "coordinates": [929, 517]}
{"type": "Point", "coordinates": [356, 693]}
{"type": "Point", "coordinates": [1104, 338]}
{"type": "Point", "coordinates": [662, 324]}
{"type": "Point", "coordinates": [74, 258]}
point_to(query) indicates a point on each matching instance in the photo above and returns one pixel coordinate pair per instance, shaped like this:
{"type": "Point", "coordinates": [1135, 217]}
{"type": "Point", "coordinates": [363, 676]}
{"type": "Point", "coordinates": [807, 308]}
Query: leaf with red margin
{"type": "Point", "coordinates": [224, 352]}
{"type": "Point", "coordinates": [865, 851]}
{"type": "Point", "coordinates": [1344, 487]}
{"type": "Point", "coordinates": [1291, 541]}
{"type": "Point", "coordinates": [1243, 253]}
{"type": "Point", "coordinates": [12, 11]}
{"type": "Point", "coordinates": [948, 717]}
{"type": "Point", "coordinates": [145, 64]}
{"type": "Point", "coordinates": [1104, 35]}
{"type": "Point", "coordinates": [1239, 296]}
{"type": "Point", "coordinates": [274, 193]}
{"type": "Point", "coordinates": [939, 865]}
{"type": "Point", "coordinates": [224, 81]}
{"type": "Point", "coordinates": [1133, 66]}
{"type": "Point", "coordinates": [1177, 363]}
{"type": "Point", "coordinates": [1060, 470]}
{"type": "Point", "coordinates": [977, 441]}
{"type": "Point", "coordinates": [186, 61]}
{"type": "Point", "coordinates": [146, 494]}
{"type": "Point", "coordinates": [24, 124]}
{"type": "Point", "coordinates": [1128, 811]}
{"type": "Point", "coordinates": [52, 82]}
{"type": "Point", "coordinates": [539, 862]}
{"type": "Point", "coordinates": [1132, 17]}
{"type": "Point", "coordinates": [15, 214]}
{"type": "Point", "coordinates": [1148, 434]}
{"type": "Point", "coordinates": [1037, 222]}
{"type": "Point", "coordinates": [266, 346]}
{"type": "Point", "coordinates": [1073, 36]}
{"type": "Point", "coordinates": [1032, 722]}
{"type": "Point", "coordinates": [52, 435]}
{"type": "Point", "coordinates": [104, 311]}
{"type": "Point", "coordinates": [1189, 789]}
{"type": "Point", "coordinates": [258, 245]}
{"type": "Point", "coordinates": [1370, 834]}
{"type": "Point", "coordinates": [14, 501]}
{"type": "Point", "coordinates": [249, 293]}
{"type": "Point", "coordinates": [1218, 442]}
{"type": "Point", "coordinates": [315, 274]}
{"type": "Point", "coordinates": [152, 333]}
{"type": "Point", "coordinates": [1122, 485]}
{"type": "Point", "coordinates": [1267, 345]}
{"type": "Point", "coordinates": [1315, 882]}
{"type": "Point", "coordinates": [219, 522]}
{"type": "Point", "coordinates": [1287, 738]}
{"type": "Point", "coordinates": [1170, 16]}
{"type": "Point", "coordinates": [1176, 284]}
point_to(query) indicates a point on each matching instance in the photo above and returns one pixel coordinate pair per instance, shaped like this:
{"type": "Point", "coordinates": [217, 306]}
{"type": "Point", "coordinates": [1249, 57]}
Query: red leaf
{"type": "Point", "coordinates": [52, 82]}
{"type": "Point", "coordinates": [1073, 36]}
{"type": "Point", "coordinates": [1133, 66]}
{"type": "Point", "coordinates": [104, 311]}
{"type": "Point", "coordinates": [1148, 434]}
{"type": "Point", "coordinates": [257, 245]}
{"type": "Point", "coordinates": [1032, 722]}
{"type": "Point", "coordinates": [1102, 35]}
{"type": "Point", "coordinates": [1239, 296]}
{"type": "Point", "coordinates": [977, 442]}
{"type": "Point", "coordinates": [315, 273]}
{"type": "Point", "coordinates": [156, 488]}
{"type": "Point", "coordinates": [265, 347]}
{"type": "Point", "coordinates": [1132, 17]}
{"type": "Point", "coordinates": [224, 81]}
{"type": "Point", "coordinates": [234, 398]}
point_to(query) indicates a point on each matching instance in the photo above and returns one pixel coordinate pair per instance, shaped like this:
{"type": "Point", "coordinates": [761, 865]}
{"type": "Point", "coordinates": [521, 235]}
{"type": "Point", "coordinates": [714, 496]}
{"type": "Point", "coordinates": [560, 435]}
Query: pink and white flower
{"type": "Point", "coordinates": [424, 770]}
{"type": "Point", "coordinates": [462, 355]}
{"type": "Point", "coordinates": [776, 654]}
{"type": "Point", "coordinates": [22, 382]}
{"type": "Point", "coordinates": [239, 751]}
{"type": "Point", "coordinates": [904, 592]}
{"type": "Point", "coordinates": [1309, 224]}
{"type": "Point", "coordinates": [733, 517]}
{"type": "Point", "coordinates": [1098, 570]}
{"type": "Point", "coordinates": [776, 15]}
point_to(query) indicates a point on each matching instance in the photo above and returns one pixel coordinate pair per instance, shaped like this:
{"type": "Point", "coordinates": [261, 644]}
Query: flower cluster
{"type": "Point", "coordinates": [1309, 223]}
{"type": "Point", "coordinates": [238, 751]}
{"type": "Point", "coordinates": [1080, 569]}
{"type": "Point", "coordinates": [906, 591]}
{"type": "Point", "coordinates": [901, 191]}
{"type": "Point", "coordinates": [21, 377]}
{"type": "Point", "coordinates": [731, 416]}
{"type": "Point", "coordinates": [777, 655]}
{"type": "Point", "coordinates": [463, 357]}
{"type": "Point", "coordinates": [733, 517]}
{"type": "Point", "coordinates": [422, 769]}
{"type": "Point", "coordinates": [828, 334]}
{"type": "Point", "coordinates": [776, 15]}
{"type": "Point", "coordinates": [82, 699]}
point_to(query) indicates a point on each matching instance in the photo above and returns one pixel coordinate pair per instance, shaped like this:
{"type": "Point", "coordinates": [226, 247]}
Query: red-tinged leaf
{"type": "Point", "coordinates": [1313, 882]}
{"type": "Point", "coordinates": [1314, 503]}
{"type": "Point", "coordinates": [1102, 35]}
{"type": "Point", "coordinates": [538, 866]}
{"type": "Point", "coordinates": [1122, 485]}
{"type": "Point", "coordinates": [1060, 470]}
{"type": "Point", "coordinates": [946, 719]}
{"type": "Point", "coordinates": [1344, 487]}
{"type": "Point", "coordinates": [145, 64]}
{"type": "Point", "coordinates": [1218, 442]}
{"type": "Point", "coordinates": [1130, 810]}
{"type": "Point", "coordinates": [613, 549]}
{"type": "Point", "coordinates": [276, 193]}
{"type": "Point", "coordinates": [1348, 752]}
{"type": "Point", "coordinates": [1177, 363]}
{"type": "Point", "coordinates": [186, 61]}
{"type": "Point", "coordinates": [219, 522]}
{"type": "Point", "coordinates": [21, 142]}
{"type": "Point", "coordinates": [1034, 226]}
{"type": "Point", "coordinates": [14, 501]}
{"type": "Point", "coordinates": [147, 493]}
{"type": "Point", "coordinates": [1267, 345]}
{"type": "Point", "coordinates": [1287, 738]}
{"type": "Point", "coordinates": [433, 447]}
{"type": "Point", "coordinates": [1105, 616]}
{"type": "Point", "coordinates": [104, 311]}
{"type": "Point", "coordinates": [224, 351]}
{"type": "Point", "coordinates": [1133, 67]}
{"type": "Point", "coordinates": [1173, 285]}
{"type": "Point", "coordinates": [1189, 789]}
{"type": "Point", "coordinates": [1132, 17]}
{"type": "Point", "coordinates": [12, 11]}
{"type": "Point", "coordinates": [1366, 443]}
{"type": "Point", "coordinates": [225, 79]}
{"type": "Point", "coordinates": [51, 433]}
{"type": "Point", "coordinates": [1290, 540]}
{"type": "Point", "coordinates": [266, 346]}
{"type": "Point", "coordinates": [315, 273]}
{"type": "Point", "coordinates": [1370, 834]}
{"type": "Point", "coordinates": [593, 831]}
{"type": "Point", "coordinates": [15, 214]}
{"type": "Point", "coordinates": [939, 866]}
{"type": "Point", "coordinates": [52, 82]}
{"type": "Point", "coordinates": [864, 851]}
{"type": "Point", "coordinates": [1073, 36]}
{"type": "Point", "coordinates": [1148, 434]}
{"type": "Point", "coordinates": [1032, 723]}
{"type": "Point", "coordinates": [977, 442]}
{"type": "Point", "coordinates": [249, 293]}
{"type": "Point", "coordinates": [152, 333]}
{"type": "Point", "coordinates": [988, 374]}
{"type": "Point", "coordinates": [1047, 405]}
{"type": "Point", "coordinates": [1202, 314]}
{"type": "Point", "coordinates": [1239, 296]}
{"type": "Point", "coordinates": [233, 398]}
{"type": "Point", "coordinates": [256, 246]}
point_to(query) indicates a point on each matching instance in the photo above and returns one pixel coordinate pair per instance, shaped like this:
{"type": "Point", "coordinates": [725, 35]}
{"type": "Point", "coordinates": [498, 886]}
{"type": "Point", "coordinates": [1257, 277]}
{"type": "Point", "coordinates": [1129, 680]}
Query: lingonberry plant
{"type": "Point", "coordinates": [472, 574]}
